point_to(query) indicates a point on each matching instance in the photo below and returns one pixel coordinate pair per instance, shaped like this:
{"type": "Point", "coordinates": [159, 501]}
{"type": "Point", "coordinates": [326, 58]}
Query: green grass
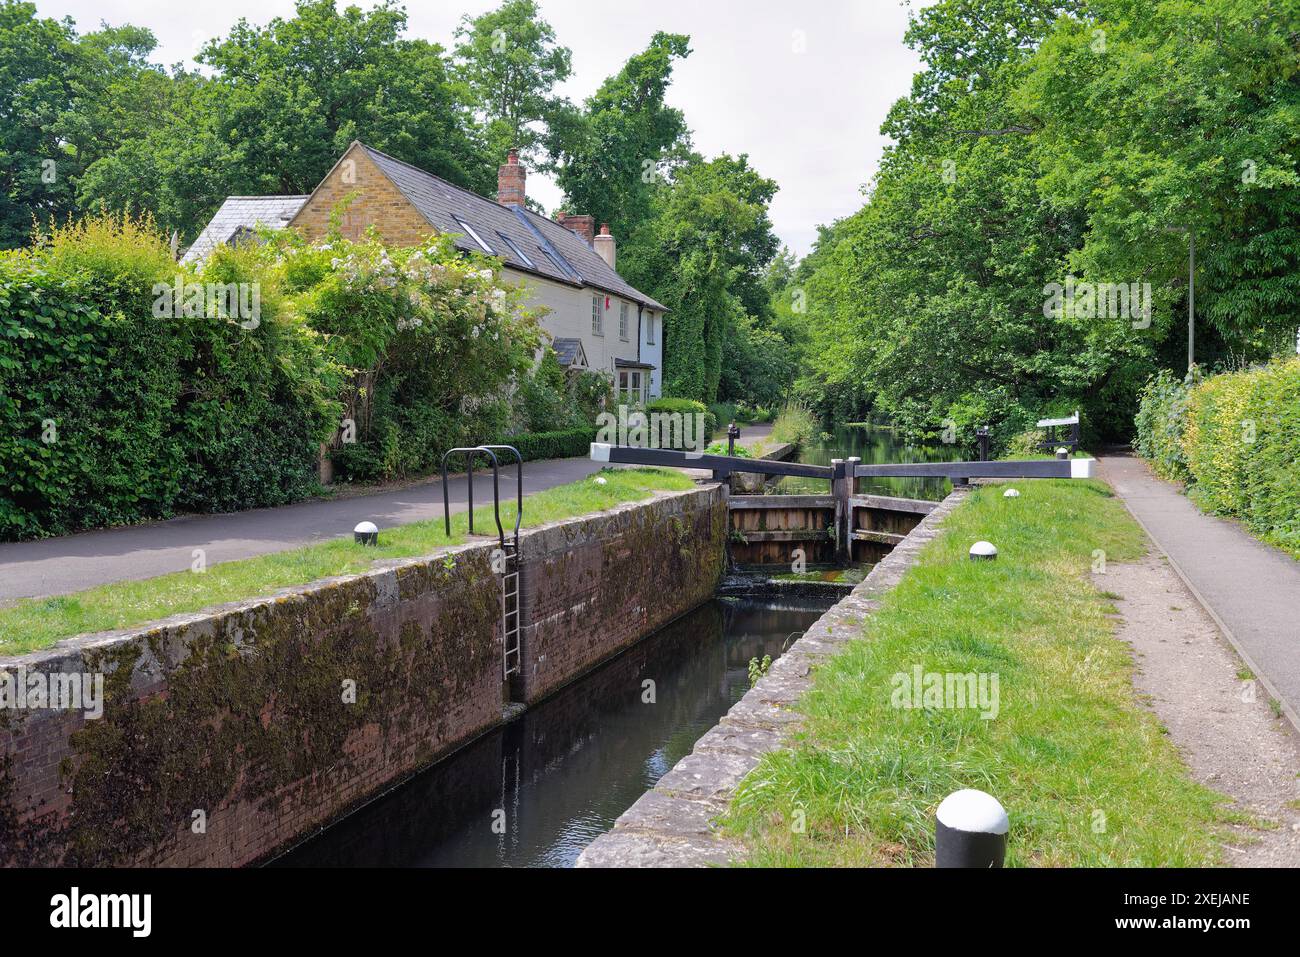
{"type": "Point", "coordinates": [1088, 776]}
{"type": "Point", "coordinates": [37, 623]}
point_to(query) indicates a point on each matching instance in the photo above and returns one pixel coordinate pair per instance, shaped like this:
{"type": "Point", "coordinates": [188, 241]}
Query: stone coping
{"type": "Point", "coordinates": [383, 574]}
{"type": "Point", "coordinates": [672, 824]}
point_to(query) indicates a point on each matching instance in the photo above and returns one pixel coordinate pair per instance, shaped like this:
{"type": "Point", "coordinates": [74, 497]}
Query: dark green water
{"type": "Point", "coordinates": [876, 445]}
{"type": "Point", "coordinates": [558, 777]}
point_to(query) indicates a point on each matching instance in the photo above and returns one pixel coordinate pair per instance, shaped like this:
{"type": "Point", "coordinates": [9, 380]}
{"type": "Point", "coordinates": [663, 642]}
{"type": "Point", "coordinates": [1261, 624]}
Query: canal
{"type": "Point", "coordinates": [876, 444]}
{"type": "Point", "coordinates": [537, 791]}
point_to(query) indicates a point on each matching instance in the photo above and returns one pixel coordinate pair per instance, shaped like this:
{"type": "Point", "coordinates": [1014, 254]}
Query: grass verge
{"type": "Point", "coordinates": [1086, 773]}
{"type": "Point", "coordinates": [32, 624]}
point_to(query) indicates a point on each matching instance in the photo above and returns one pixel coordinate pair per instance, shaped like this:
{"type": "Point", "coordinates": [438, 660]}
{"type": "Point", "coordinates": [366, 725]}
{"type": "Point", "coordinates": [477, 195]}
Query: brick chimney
{"type": "Point", "coordinates": [605, 246]}
{"type": "Point", "coordinates": [511, 181]}
{"type": "Point", "coordinates": [584, 226]}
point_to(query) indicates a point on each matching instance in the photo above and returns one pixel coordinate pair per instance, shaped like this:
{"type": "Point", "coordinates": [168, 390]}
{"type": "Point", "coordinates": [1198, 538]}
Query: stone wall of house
{"type": "Point", "coordinates": [376, 201]}
{"type": "Point", "coordinates": [226, 736]}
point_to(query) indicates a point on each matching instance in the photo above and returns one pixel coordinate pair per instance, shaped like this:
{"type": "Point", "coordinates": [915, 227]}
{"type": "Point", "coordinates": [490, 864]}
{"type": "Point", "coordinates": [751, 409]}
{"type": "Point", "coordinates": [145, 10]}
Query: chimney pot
{"type": "Point", "coordinates": [606, 248]}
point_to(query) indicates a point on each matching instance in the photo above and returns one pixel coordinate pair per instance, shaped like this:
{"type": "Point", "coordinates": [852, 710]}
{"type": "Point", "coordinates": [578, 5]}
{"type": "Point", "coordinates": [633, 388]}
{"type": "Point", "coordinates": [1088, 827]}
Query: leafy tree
{"type": "Point", "coordinates": [703, 253]}
{"type": "Point", "coordinates": [38, 59]}
{"type": "Point", "coordinates": [283, 103]}
{"type": "Point", "coordinates": [626, 141]}
{"type": "Point", "coordinates": [1192, 120]}
{"type": "Point", "coordinates": [511, 62]}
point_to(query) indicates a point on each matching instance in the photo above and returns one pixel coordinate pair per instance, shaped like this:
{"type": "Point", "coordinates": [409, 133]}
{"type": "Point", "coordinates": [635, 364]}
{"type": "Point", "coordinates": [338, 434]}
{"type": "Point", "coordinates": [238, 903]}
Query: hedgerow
{"type": "Point", "coordinates": [112, 413]}
{"type": "Point", "coordinates": [1234, 439]}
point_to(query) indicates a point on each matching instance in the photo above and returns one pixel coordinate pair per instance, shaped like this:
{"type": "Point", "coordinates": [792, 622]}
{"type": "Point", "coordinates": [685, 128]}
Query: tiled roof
{"type": "Point", "coordinates": [273, 212]}
{"type": "Point", "coordinates": [569, 351]}
{"type": "Point", "coordinates": [552, 250]}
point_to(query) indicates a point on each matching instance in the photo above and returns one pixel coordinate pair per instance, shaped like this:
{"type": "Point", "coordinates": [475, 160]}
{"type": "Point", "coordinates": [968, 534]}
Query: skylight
{"type": "Point", "coordinates": [475, 236]}
{"type": "Point", "coordinates": [523, 257]}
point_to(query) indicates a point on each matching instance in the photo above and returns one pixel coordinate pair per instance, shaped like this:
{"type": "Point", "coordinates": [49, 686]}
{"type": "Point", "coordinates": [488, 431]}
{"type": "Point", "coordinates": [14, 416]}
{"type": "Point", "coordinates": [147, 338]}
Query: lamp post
{"type": "Point", "coordinates": [1191, 291]}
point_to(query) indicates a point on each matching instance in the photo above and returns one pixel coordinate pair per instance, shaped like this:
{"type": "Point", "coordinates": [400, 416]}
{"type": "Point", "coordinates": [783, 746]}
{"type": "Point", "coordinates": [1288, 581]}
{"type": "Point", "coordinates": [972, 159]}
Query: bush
{"type": "Point", "coordinates": [670, 405]}
{"type": "Point", "coordinates": [111, 414]}
{"type": "Point", "coordinates": [1161, 421]}
{"type": "Point", "coordinates": [1234, 438]}
{"type": "Point", "coordinates": [796, 423]}
{"type": "Point", "coordinates": [570, 443]}
{"type": "Point", "coordinates": [1026, 444]}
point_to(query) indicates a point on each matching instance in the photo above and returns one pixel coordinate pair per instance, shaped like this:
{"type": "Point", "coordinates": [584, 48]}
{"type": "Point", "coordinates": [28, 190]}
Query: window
{"type": "Point", "coordinates": [469, 230]}
{"type": "Point", "coordinates": [597, 322]}
{"type": "Point", "coordinates": [649, 328]}
{"type": "Point", "coordinates": [632, 387]}
{"type": "Point", "coordinates": [622, 321]}
{"type": "Point", "coordinates": [522, 256]}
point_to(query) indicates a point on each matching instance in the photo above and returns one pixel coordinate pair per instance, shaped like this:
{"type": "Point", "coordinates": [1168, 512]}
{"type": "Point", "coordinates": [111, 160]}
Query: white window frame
{"type": "Point", "coordinates": [622, 321]}
{"type": "Point", "coordinates": [475, 236]}
{"type": "Point", "coordinates": [597, 316]}
{"type": "Point", "coordinates": [649, 328]}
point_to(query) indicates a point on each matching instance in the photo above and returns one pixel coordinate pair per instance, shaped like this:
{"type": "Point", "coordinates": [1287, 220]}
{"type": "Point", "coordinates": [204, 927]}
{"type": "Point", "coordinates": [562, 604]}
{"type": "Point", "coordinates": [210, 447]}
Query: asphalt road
{"type": "Point", "coordinates": [1251, 589]}
{"type": "Point", "coordinates": [57, 566]}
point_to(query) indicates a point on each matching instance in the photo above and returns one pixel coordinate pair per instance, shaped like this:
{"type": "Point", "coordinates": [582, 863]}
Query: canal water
{"type": "Point", "coordinates": [875, 444]}
{"type": "Point", "coordinates": [538, 791]}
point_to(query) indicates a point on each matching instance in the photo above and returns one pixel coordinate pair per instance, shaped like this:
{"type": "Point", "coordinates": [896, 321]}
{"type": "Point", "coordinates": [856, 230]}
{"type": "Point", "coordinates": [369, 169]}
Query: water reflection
{"type": "Point", "coordinates": [874, 443]}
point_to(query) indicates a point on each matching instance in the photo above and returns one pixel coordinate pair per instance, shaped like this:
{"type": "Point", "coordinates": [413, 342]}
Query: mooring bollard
{"type": "Point", "coordinates": [1011, 493]}
{"type": "Point", "coordinates": [970, 831]}
{"type": "Point", "coordinates": [983, 552]}
{"type": "Point", "coordinates": [367, 533]}
{"type": "Point", "coordinates": [1062, 453]}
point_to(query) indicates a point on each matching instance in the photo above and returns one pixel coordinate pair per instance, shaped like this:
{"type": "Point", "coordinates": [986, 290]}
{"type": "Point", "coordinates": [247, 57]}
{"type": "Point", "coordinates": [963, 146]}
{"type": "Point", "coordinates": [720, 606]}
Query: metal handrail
{"type": "Point", "coordinates": [519, 482]}
{"type": "Point", "coordinates": [496, 489]}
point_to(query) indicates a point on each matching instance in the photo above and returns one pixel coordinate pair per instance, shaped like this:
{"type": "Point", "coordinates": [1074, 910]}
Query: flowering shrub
{"type": "Point", "coordinates": [432, 340]}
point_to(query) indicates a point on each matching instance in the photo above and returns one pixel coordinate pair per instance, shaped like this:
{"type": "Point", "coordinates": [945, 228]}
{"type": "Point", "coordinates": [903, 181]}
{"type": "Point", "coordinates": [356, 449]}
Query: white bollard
{"type": "Point", "coordinates": [1011, 493]}
{"type": "Point", "coordinates": [367, 533]}
{"type": "Point", "coordinates": [970, 831]}
{"type": "Point", "coordinates": [1062, 453]}
{"type": "Point", "coordinates": [983, 552]}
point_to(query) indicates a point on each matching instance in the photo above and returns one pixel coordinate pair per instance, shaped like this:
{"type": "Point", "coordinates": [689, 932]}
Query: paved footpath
{"type": "Point", "coordinates": [56, 566]}
{"type": "Point", "coordinates": [1251, 589]}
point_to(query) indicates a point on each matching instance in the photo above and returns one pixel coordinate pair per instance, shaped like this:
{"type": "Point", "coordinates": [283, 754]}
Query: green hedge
{"type": "Point", "coordinates": [687, 407]}
{"type": "Point", "coordinates": [1234, 439]}
{"type": "Point", "coordinates": [570, 443]}
{"type": "Point", "coordinates": [110, 415]}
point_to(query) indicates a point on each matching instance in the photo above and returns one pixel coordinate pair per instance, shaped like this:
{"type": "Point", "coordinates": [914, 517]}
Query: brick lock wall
{"type": "Point", "coordinates": [239, 712]}
{"type": "Point", "coordinates": [593, 588]}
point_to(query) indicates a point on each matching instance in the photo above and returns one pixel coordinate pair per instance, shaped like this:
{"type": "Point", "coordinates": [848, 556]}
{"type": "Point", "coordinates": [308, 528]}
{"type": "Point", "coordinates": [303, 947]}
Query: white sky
{"type": "Point", "coordinates": [810, 120]}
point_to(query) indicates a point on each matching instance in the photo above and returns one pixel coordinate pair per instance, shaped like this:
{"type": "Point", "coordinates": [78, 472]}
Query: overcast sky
{"type": "Point", "coordinates": [802, 87]}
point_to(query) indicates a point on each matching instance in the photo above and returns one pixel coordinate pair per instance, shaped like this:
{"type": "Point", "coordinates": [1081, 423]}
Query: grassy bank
{"type": "Point", "coordinates": [1086, 774]}
{"type": "Point", "coordinates": [37, 623]}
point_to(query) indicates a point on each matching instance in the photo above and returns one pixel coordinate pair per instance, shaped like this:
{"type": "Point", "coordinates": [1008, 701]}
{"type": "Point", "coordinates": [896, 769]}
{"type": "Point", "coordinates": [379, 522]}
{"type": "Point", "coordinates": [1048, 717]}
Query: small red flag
{"type": "Point", "coordinates": [607, 302]}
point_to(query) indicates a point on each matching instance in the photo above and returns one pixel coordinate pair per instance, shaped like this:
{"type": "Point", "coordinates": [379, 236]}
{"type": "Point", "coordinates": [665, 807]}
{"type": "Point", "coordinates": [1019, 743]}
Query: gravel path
{"type": "Point", "coordinates": [1216, 714]}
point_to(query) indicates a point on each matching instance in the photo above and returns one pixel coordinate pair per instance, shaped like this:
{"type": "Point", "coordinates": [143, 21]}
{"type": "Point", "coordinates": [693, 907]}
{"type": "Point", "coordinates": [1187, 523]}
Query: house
{"type": "Point", "coordinates": [596, 319]}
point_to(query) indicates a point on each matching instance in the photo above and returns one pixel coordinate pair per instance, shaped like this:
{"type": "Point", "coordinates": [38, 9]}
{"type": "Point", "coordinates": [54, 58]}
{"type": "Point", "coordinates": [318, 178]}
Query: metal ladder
{"type": "Point", "coordinates": [511, 610]}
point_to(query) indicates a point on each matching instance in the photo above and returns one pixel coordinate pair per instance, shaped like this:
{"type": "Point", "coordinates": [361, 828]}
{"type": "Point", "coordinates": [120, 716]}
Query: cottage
{"type": "Point", "coordinates": [596, 320]}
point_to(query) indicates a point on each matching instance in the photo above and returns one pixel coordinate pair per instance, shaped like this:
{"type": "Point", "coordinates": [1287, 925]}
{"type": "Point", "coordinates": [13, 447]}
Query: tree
{"type": "Point", "coordinates": [703, 252]}
{"type": "Point", "coordinates": [627, 140]}
{"type": "Point", "coordinates": [38, 61]}
{"type": "Point", "coordinates": [1193, 120]}
{"type": "Point", "coordinates": [282, 104]}
{"type": "Point", "coordinates": [511, 62]}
